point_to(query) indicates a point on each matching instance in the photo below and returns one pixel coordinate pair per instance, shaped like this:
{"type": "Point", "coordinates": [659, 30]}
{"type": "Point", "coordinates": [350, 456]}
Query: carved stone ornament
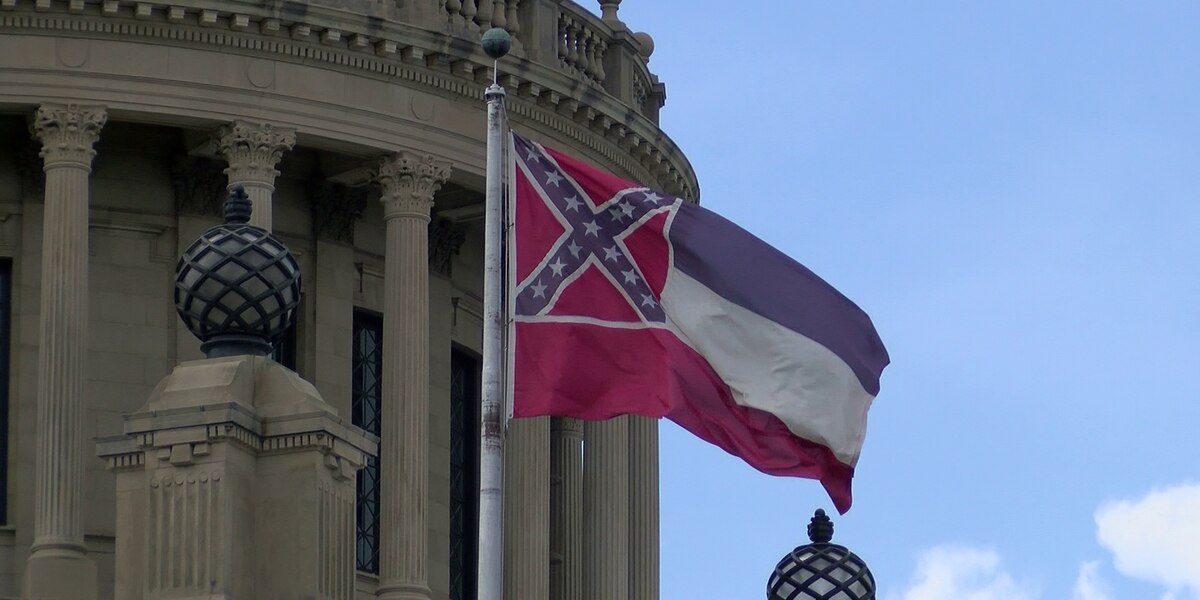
{"type": "Point", "coordinates": [67, 132]}
{"type": "Point", "coordinates": [445, 240]}
{"type": "Point", "coordinates": [199, 186]}
{"type": "Point", "coordinates": [252, 150]}
{"type": "Point", "coordinates": [409, 181]}
{"type": "Point", "coordinates": [336, 208]}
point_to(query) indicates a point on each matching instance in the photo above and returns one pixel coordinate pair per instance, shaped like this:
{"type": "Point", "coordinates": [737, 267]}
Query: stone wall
{"type": "Point", "coordinates": [136, 233]}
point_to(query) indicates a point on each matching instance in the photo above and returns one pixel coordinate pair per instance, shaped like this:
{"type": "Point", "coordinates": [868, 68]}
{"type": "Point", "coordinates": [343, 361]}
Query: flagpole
{"type": "Point", "coordinates": [496, 43]}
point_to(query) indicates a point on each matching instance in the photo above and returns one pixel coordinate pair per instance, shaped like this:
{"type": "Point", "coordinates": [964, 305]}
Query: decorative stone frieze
{"type": "Point", "coordinates": [336, 208]}
{"type": "Point", "coordinates": [199, 186]}
{"type": "Point", "coordinates": [445, 240]}
{"type": "Point", "coordinates": [363, 48]}
{"type": "Point", "coordinates": [409, 181]}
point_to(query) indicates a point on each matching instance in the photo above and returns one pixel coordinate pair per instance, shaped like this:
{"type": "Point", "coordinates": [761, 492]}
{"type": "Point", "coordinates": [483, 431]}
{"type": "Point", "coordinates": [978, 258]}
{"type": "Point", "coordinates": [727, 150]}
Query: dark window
{"type": "Point", "coordinates": [284, 351]}
{"type": "Point", "coordinates": [368, 381]}
{"type": "Point", "coordinates": [464, 473]}
{"type": "Point", "coordinates": [5, 331]}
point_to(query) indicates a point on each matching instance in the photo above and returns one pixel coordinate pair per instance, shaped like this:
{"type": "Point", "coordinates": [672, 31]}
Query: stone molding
{"type": "Point", "coordinates": [409, 180]}
{"type": "Point", "coordinates": [199, 186]}
{"type": "Point", "coordinates": [67, 133]}
{"type": "Point", "coordinates": [336, 208]}
{"type": "Point", "coordinates": [252, 150]}
{"type": "Point", "coordinates": [445, 240]}
{"type": "Point", "coordinates": [543, 96]}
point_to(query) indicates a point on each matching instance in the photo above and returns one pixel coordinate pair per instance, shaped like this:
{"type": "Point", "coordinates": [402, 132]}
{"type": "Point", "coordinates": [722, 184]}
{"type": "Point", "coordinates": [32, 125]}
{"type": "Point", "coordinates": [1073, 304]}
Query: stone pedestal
{"type": "Point", "coordinates": [236, 481]}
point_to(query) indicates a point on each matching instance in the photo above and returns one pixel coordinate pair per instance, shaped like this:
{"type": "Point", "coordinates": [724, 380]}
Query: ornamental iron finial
{"type": "Point", "coordinates": [238, 206]}
{"type": "Point", "coordinates": [237, 287]}
{"type": "Point", "coordinates": [821, 570]}
{"type": "Point", "coordinates": [820, 528]}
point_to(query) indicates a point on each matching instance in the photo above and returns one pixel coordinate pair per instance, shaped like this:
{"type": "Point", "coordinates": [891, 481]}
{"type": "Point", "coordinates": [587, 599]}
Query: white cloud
{"type": "Point", "coordinates": [1154, 538]}
{"type": "Point", "coordinates": [962, 573]}
{"type": "Point", "coordinates": [1089, 585]}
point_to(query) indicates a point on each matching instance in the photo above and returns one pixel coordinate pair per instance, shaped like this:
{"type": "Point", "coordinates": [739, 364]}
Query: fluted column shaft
{"type": "Point", "coordinates": [643, 508]}
{"type": "Point", "coordinates": [67, 133]}
{"type": "Point", "coordinates": [252, 151]}
{"type": "Point", "coordinates": [527, 509]}
{"type": "Point", "coordinates": [408, 181]}
{"type": "Point", "coordinates": [566, 509]}
{"type": "Point", "coordinates": [606, 509]}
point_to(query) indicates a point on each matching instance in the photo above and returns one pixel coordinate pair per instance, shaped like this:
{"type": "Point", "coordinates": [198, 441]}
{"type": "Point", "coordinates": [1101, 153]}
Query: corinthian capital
{"type": "Point", "coordinates": [409, 181]}
{"type": "Point", "coordinates": [67, 132]}
{"type": "Point", "coordinates": [252, 150]}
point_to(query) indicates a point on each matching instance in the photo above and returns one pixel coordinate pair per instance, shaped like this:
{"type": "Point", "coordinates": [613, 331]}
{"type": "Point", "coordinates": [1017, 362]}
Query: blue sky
{"type": "Point", "coordinates": [1010, 190]}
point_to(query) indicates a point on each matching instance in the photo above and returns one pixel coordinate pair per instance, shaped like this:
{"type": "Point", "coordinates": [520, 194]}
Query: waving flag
{"type": "Point", "coordinates": [628, 301]}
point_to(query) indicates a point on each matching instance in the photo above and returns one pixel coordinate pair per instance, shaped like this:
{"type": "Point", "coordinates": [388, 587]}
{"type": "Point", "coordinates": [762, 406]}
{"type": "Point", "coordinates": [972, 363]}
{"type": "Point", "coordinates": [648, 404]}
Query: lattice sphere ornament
{"type": "Point", "coordinates": [821, 570]}
{"type": "Point", "coordinates": [237, 287]}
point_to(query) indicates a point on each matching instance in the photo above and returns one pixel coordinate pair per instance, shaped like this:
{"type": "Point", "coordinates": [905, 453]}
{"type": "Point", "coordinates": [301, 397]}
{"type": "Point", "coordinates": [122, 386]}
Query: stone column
{"type": "Point", "coordinates": [58, 566]}
{"type": "Point", "coordinates": [527, 509]}
{"type": "Point", "coordinates": [566, 509]}
{"type": "Point", "coordinates": [606, 509]}
{"type": "Point", "coordinates": [252, 151]}
{"type": "Point", "coordinates": [409, 181]}
{"type": "Point", "coordinates": [643, 508]}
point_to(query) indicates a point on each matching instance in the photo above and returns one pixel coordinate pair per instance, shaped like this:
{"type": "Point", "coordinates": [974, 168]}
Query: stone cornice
{"type": "Point", "coordinates": [545, 98]}
{"type": "Point", "coordinates": [408, 181]}
{"type": "Point", "coordinates": [252, 150]}
{"type": "Point", "coordinates": [67, 133]}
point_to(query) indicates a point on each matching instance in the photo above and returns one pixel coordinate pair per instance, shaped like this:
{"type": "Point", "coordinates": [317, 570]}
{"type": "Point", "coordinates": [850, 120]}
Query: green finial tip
{"type": "Point", "coordinates": [496, 42]}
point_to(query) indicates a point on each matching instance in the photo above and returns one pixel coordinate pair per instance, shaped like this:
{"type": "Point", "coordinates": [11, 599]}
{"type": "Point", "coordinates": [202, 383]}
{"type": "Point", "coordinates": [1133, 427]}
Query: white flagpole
{"type": "Point", "coordinates": [496, 43]}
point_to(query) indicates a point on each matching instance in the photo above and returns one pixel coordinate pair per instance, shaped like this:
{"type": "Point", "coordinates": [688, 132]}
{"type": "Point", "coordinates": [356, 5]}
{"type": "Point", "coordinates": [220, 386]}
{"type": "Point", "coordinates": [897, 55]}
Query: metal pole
{"type": "Point", "coordinates": [491, 461]}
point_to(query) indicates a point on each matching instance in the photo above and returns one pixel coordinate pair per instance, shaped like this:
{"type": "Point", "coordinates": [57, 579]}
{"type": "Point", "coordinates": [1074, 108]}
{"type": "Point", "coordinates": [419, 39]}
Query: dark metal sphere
{"type": "Point", "coordinates": [237, 287]}
{"type": "Point", "coordinates": [821, 570]}
{"type": "Point", "coordinates": [496, 42]}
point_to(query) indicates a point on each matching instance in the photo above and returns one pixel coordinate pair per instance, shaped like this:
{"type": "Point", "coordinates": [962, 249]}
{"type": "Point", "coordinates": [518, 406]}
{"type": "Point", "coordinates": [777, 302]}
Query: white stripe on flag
{"type": "Point", "coordinates": [771, 367]}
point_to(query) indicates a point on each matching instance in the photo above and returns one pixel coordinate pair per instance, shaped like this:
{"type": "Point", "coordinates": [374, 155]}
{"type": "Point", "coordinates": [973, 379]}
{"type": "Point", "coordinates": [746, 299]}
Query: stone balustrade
{"type": "Point", "coordinates": [583, 75]}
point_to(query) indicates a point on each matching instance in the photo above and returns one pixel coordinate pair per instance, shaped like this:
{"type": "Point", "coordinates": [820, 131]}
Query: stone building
{"type": "Point", "coordinates": [356, 126]}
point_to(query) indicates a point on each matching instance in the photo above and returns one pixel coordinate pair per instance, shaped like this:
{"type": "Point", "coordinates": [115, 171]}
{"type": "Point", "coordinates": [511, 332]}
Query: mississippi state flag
{"type": "Point", "coordinates": [628, 301]}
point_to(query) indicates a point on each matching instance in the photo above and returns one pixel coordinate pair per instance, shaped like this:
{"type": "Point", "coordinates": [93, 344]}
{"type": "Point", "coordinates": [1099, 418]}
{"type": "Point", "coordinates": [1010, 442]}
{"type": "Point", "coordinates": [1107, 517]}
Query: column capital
{"type": "Point", "coordinates": [67, 132]}
{"type": "Point", "coordinates": [409, 181]}
{"type": "Point", "coordinates": [252, 150]}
